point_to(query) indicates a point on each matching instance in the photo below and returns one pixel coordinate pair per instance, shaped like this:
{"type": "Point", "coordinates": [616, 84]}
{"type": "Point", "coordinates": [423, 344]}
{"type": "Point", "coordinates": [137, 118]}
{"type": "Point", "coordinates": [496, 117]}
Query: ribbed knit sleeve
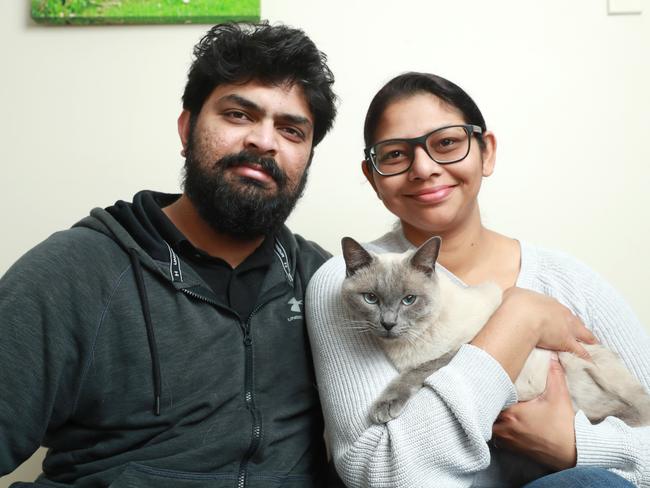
{"type": "Point", "coordinates": [611, 444]}
{"type": "Point", "coordinates": [439, 439]}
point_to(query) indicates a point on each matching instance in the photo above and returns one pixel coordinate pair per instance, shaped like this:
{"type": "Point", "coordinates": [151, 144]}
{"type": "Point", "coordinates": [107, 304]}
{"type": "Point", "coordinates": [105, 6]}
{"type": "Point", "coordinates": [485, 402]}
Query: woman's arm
{"type": "Point", "coordinates": [542, 428]}
{"type": "Point", "coordinates": [525, 320]}
{"type": "Point", "coordinates": [613, 444]}
{"type": "Point", "coordinates": [610, 444]}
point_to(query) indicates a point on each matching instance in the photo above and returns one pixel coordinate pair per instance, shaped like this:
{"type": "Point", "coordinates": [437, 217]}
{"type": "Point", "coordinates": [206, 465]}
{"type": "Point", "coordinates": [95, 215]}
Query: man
{"type": "Point", "coordinates": [162, 342]}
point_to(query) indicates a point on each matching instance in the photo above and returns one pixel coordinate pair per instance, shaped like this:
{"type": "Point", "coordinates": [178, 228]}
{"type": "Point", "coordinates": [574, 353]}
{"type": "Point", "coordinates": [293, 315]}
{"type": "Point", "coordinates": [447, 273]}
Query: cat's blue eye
{"type": "Point", "coordinates": [409, 299]}
{"type": "Point", "coordinates": [370, 298]}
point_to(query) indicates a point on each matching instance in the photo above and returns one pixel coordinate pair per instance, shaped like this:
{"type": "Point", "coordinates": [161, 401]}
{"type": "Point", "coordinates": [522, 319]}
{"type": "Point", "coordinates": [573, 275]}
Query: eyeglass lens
{"type": "Point", "coordinates": [446, 145]}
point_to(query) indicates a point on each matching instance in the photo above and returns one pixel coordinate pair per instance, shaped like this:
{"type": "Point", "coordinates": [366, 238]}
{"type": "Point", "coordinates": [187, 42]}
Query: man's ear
{"type": "Point", "coordinates": [369, 174]}
{"type": "Point", "coordinates": [489, 154]}
{"type": "Point", "coordinates": [184, 128]}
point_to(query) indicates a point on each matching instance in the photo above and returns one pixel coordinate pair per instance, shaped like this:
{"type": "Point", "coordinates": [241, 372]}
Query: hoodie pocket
{"type": "Point", "coordinates": [140, 476]}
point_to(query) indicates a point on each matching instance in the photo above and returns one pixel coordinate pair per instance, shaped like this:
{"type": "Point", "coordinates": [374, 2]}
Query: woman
{"type": "Point", "coordinates": [430, 179]}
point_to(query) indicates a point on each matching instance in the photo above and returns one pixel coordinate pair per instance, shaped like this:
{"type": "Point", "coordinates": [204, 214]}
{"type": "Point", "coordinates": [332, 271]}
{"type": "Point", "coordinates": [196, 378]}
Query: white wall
{"type": "Point", "coordinates": [89, 117]}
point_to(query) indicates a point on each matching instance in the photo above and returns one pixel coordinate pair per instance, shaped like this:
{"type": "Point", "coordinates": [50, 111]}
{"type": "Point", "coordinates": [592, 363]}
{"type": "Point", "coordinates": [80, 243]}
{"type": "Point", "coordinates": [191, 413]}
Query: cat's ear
{"type": "Point", "coordinates": [425, 257]}
{"type": "Point", "coordinates": [356, 257]}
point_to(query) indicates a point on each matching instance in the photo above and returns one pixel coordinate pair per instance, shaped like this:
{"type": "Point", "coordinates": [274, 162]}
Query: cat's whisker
{"type": "Point", "coordinates": [359, 325]}
{"type": "Point", "coordinates": [411, 338]}
{"type": "Point", "coordinates": [419, 338]}
{"type": "Point", "coordinates": [360, 329]}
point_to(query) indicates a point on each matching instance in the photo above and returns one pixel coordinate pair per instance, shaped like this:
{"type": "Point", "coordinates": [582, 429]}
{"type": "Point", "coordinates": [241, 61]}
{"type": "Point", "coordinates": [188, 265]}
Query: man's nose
{"type": "Point", "coordinates": [262, 138]}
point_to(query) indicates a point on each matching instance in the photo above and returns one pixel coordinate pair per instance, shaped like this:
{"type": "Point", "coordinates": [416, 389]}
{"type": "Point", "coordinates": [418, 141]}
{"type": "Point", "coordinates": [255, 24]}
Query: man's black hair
{"type": "Point", "coordinates": [273, 54]}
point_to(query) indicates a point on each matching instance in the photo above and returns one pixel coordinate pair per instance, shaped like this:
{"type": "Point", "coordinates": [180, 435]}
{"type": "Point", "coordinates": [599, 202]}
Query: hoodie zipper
{"type": "Point", "coordinates": [256, 431]}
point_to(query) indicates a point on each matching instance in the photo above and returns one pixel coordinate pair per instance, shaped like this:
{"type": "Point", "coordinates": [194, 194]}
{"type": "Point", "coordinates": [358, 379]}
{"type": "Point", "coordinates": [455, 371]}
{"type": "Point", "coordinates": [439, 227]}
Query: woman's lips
{"type": "Point", "coordinates": [435, 194]}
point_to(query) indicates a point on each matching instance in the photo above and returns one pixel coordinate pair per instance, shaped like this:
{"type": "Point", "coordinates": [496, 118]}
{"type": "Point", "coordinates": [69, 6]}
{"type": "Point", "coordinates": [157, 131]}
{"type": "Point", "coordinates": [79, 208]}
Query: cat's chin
{"type": "Point", "coordinates": [388, 336]}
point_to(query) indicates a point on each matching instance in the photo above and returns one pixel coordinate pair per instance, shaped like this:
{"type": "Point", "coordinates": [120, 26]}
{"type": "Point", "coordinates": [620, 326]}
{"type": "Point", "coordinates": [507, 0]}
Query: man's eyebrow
{"type": "Point", "coordinates": [244, 102]}
{"type": "Point", "coordinates": [295, 119]}
{"type": "Point", "coordinates": [249, 104]}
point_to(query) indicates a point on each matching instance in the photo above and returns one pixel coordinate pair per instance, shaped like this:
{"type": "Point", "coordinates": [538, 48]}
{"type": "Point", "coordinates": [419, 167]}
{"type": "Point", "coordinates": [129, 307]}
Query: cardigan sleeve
{"type": "Point", "coordinates": [438, 440]}
{"type": "Point", "coordinates": [611, 444]}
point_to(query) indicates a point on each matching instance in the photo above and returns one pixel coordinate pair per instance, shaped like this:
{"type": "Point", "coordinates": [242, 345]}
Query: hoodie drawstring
{"type": "Point", "coordinates": [144, 301]}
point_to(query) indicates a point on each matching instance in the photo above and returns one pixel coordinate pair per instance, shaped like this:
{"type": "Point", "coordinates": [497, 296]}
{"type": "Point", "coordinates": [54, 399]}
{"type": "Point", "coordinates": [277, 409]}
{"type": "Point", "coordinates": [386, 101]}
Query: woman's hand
{"type": "Point", "coordinates": [556, 326]}
{"type": "Point", "coordinates": [541, 428]}
{"type": "Point", "coordinates": [525, 320]}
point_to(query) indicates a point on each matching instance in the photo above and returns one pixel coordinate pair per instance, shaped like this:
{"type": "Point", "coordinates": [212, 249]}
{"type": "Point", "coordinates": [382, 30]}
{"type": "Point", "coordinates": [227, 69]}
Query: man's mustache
{"type": "Point", "coordinates": [268, 165]}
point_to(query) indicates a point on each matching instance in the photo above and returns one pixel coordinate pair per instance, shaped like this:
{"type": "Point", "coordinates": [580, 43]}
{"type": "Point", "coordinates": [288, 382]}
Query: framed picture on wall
{"type": "Point", "coordinates": [144, 11]}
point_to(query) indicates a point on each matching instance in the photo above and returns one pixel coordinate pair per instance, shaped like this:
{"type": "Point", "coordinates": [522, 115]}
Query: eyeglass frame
{"type": "Point", "coordinates": [421, 141]}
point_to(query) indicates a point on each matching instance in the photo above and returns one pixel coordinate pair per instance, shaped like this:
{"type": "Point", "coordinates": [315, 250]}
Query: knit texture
{"type": "Point", "coordinates": [440, 438]}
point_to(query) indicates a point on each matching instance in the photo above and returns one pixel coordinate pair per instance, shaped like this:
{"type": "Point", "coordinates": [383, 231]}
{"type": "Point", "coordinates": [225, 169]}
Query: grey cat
{"type": "Point", "coordinates": [421, 318]}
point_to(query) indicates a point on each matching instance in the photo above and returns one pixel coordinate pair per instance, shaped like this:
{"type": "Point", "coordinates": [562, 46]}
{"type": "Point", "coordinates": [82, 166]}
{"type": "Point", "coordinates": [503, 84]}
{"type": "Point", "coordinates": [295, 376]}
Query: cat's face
{"type": "Point", "coordinates": [393, 296]}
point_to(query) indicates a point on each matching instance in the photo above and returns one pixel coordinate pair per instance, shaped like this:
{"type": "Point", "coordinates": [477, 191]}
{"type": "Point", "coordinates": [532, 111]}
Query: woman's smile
{"type": "Point", "coordinates": [432, 195]}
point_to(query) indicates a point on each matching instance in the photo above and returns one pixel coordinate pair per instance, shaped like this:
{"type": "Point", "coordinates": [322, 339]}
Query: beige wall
{"type": "Point", "coordinates": [89, 116]}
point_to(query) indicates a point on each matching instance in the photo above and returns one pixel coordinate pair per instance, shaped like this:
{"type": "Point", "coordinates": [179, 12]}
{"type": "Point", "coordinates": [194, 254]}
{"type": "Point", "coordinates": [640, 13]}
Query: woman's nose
{"type": "Point", "coordinates": [423, 165]}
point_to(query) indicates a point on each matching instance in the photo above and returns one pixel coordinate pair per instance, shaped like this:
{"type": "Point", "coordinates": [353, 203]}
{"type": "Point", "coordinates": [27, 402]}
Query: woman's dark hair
{"type": "Point", "coordinates": [241, 52]}
{"type": "Point", "coordinates": [408, 84]}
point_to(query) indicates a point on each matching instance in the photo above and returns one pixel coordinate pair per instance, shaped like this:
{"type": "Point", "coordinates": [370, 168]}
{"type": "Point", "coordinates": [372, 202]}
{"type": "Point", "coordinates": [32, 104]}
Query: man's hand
{"type": "Point", "coordinates": [541, 428]}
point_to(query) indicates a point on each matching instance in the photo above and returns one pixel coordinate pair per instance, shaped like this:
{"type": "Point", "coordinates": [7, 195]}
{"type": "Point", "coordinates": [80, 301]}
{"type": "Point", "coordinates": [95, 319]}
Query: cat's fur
{"type": "Point", "coordinates": [422, 336]}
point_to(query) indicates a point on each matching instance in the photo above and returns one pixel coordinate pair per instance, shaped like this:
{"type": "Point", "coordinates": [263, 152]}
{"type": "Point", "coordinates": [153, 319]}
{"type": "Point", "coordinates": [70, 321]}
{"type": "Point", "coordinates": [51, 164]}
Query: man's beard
{"type": "Point", "coordinates": [235, 205]}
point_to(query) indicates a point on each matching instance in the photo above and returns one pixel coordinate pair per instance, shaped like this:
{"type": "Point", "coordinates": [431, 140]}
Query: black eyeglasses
{"type": "Point", "coordinates": [445, 145]}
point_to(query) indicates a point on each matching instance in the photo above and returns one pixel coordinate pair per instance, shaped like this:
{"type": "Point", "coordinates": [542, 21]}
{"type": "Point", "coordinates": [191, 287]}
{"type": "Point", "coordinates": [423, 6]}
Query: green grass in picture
{"type": "Point", "coordinates": [144, 11]}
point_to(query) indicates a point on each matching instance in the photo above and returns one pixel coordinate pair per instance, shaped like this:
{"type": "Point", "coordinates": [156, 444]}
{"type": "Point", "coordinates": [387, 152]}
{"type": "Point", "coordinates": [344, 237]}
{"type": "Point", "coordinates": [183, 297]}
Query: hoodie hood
{"type": "Point", "coordinates": [128, 224]}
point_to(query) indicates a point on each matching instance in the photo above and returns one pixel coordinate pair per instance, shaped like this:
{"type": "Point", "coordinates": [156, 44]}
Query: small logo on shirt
{"type": "Point", "coordinates": [295, 305]}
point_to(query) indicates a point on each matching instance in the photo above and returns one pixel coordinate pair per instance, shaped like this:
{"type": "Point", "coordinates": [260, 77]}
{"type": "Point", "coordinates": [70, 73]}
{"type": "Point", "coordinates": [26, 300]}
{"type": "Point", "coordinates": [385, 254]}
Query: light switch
{"type": "Point", "coordinates": [623, 7]}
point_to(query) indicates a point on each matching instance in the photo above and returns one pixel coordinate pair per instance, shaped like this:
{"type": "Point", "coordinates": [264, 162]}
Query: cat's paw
{"type": "Point", "coordinates": [387, 408]}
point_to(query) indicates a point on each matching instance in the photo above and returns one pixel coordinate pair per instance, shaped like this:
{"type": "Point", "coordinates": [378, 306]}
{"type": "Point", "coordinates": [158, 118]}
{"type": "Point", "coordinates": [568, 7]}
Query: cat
{"type": "Point", "coordinates": [421, 318]}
